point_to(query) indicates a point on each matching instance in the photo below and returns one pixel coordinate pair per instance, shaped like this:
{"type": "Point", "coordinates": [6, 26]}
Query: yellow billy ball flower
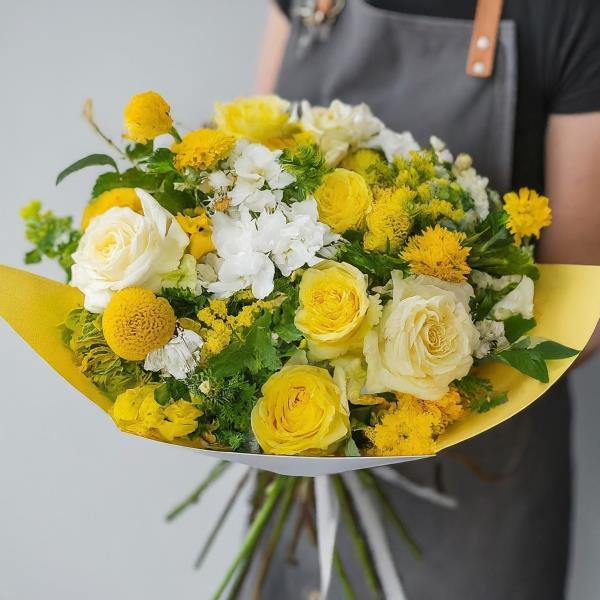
{"type": "Point", "coordinates": [301, 411]}
{"type": "Point", "coordinates": [136, 322]}
{"type": "Point", "coordinates": [335, 310]}
{"type": "Point", "coordinates": [438, 252]}
{"type": "Point", "coordinates": [528, 213]}
{"type": "Point", "coordinates": [121, 197]}
{"type": "Point", "coordinates": [147, 116]}
{"type": "Point", "coordinates": [136, 411]}
{"type": "Point", "coordinates": [391, 219]}
{"type": "Point", "coordinates": [199, 228]}
{"type": "Point", "coordinates": [202, 149]}
{"type": "Point", "coordinates": [343, 200]}
{"type": "Point", "coordinates": [368, 163]}
{"type": "Point", "coordinates": [258, 119]}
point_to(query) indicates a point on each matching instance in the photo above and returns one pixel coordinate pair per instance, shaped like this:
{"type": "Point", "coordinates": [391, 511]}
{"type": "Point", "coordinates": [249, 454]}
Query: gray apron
{"type": "Point", "coordinates": [508, 540]}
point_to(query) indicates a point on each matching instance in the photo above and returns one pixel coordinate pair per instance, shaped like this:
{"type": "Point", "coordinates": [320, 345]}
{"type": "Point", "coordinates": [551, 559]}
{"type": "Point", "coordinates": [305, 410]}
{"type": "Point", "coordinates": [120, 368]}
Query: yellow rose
{"type": "Point", "coordinates": [335, 310]}
{"type": "Point", "coordinates": [136, 411]}
{"type": "Point", "coordinates": [301, 411]}
{"type": "Point", "coordinates": [123, 197]}
{"type": "Point", "coordinates": [425, 338]}
{"type": "Point", "coordinates": [257, 119]}
{"type": "Point", "coordinates": [343, 200]}
{"type": "Point", "coordinates": [147, 116]}
{"type": "Point", "coordinates": [199, 228]}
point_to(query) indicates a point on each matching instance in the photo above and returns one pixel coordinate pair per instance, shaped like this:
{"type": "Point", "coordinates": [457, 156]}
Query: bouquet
{"type": "Point", "coordinates": [303, 290]}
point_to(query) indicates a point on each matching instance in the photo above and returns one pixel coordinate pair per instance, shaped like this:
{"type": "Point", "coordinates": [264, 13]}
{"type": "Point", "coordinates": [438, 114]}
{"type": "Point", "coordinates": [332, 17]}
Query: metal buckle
{"type": "Point", "coordinates": [316, 23]}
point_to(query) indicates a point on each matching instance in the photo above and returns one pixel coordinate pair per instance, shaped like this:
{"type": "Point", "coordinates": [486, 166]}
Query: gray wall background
{"type": "Point", "coordinates": [81, 505]}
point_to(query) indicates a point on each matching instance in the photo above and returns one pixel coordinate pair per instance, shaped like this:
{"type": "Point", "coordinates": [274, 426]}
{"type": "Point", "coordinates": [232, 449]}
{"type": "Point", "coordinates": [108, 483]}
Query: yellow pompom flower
{"type": "Point", "coordinates": [410, 426]}
{"type": "Point", "coordinates": [259, 119]}
{"type": "Point", "coordinates": [120, 197]}
{"type": "Point", "coordinates": [136, 322]}
{"type": "Point", "coordinates": [368, 163]}
{"type": "Point", "coordinates": [199, 228]}
{"type": "Point", "coordinates": [301, 411]}
{"type": "Point", "coordinates": [343, 200]}
{"type": "Point", "coordinates": [147, 116]}
{"type": "Point", "coordinates": [438, 252]}
{"type": "Point", "coordinates": [136, 411]}
{"type": "Point", "coordinates": [391, 219]}
{"type": "Point", "coordinates": [528, 213]}
{"type": "Point", "coordinates": [202, 149]}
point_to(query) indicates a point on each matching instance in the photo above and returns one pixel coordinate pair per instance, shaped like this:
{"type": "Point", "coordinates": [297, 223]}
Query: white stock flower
{"type": "Point", "coordinates": [424, 341]}
{"type": "Point", "coordinates": [393, 144]}
{"type": "Point", "coordinates": [484, 280]}
{"type": "Point", "coordinates": [339, 126]}
{"type": "Point", "coordinates": [517, 302]}
{"type": "Point", "coordinates": [476, 186]}
{"type": "Point", "coordinates": [441, 150]}
{"type": "Point", "coordinates": [179, 357]}
{"type": "Point", "coordinates": [491, 337]}
{"type": "Point", "coordinates": [122, 249]}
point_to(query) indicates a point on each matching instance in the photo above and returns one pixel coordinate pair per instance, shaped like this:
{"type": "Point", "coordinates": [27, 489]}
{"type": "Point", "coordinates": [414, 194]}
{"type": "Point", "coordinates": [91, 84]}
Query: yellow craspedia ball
{"type": "Point", "coordinates": [147, 116]}
{"type": "Point", "coordinates": [136, 322]}
{"type": "Point", "coordinates": [258, 119]}
{"type": "Point", "coordinates": [202, 149]}
{"type": "Point", "coordinates": [121, 197]}
{"type": "Point", "coordinates": [343, 200]}
{"type": "Point", "coordinates": [368, 163]}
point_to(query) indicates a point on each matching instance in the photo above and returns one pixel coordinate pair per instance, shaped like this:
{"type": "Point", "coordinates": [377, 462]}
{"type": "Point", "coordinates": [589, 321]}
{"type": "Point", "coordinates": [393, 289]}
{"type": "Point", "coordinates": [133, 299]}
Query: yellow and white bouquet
{"type": "Point", "coordinates": [302, 281]}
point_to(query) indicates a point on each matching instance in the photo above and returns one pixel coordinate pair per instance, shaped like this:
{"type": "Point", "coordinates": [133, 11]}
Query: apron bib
{"type": "Point", "coordinates": [508, 540]}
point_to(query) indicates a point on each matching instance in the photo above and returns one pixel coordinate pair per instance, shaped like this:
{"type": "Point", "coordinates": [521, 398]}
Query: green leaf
{"type": "Point", "coordinates": [516, 327]}
{"type": "Point", "coordinates": [351, 449]}
{"type": "Point", "coordinates": [161, 161]}
{"type": "Point", "coordinates": [139, 151]}
{"type": "Point", "coordinates": [162, 395]}
{"type": "Point", "coordinates": [376, 264]}
{"type": "Point", "coordinates": [33, 256]}
{"type": "Point", "coordinates": [479, 394]}
{"type": "Point", "coordinates": [93, 160]}
{"type": "Point", "coordinates": [555, 351]}
{"type": "Point", "coordinates": [131, 178]}
{"type": "Point", "coordinates": [486, 298]}
{"type": "Point", "coordinates": [308, 165]}
{"type": "Point", "coordinates": [528, 361]}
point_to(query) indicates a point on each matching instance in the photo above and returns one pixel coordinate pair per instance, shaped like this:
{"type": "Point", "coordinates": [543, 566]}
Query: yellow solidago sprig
{"type": "Point", "coordinates": [136, 322]}
{"type": "Point", "coordinates": [137, 411]}
{"type": "Point", "coordinates": [410, 426]}
{"type": "Point", "coordinates": [390, 220]}
{"type": "Point", "coordinates": [416, 169]}
{"type": "Point", "coordinates": [147, 116]}
{"type": "Point", "coordinates": [117, 197]}
{"type": "Point", "coordinates": [438, 252]}
{"type": "Point", "coordinates": [202, 149]}
{"type": "Point", "coordinates": [528, 213]}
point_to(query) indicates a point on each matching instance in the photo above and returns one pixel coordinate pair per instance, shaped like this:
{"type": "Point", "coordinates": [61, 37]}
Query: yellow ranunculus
{"type": "Point", "coordinates": [147, 116]}
{"type": "Point", "coordinates": [136, 411]}
{"type": "Point", "coordinates": [199, 228]}
{"type": "Point", "coordinates": [343, 200]}
{"type": "Point", "coordinates": [335, 310]}
{"type": "Point", "coordinates": [122, 197]}
{"type": "Point", "coordinates": [424, 340]}
{"type": "Point", "coordinates": [257, 119]}
{"type": "Point", "coordinates": [301, 411]}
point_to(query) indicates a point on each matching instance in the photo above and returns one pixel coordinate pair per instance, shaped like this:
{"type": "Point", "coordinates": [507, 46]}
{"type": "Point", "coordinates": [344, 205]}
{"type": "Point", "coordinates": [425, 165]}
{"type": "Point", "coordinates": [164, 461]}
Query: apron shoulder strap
{"type": "Point", "coordinates": [482, 50]}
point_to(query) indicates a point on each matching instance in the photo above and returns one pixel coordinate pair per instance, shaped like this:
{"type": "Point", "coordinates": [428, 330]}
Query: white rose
{"type": "Point", "coordinates": [517, 302]}
{"type": "Point", "coordinates": [122, 249]}
{"type": "Point", "coordinates": [424, 340]}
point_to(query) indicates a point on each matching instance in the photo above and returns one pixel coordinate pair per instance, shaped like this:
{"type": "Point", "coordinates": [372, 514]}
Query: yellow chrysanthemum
{"type": "Point", "coordinates": [410, 426]}
{"type": "Point", "coordinates": [199, 228]}
{"type": "Point", "coordinates": [202, 149]}
{"type": "Point", "coordinates": [136, 411]}
{"type": "Point", "coordinates": [293, 138]}
{"type": "Point", "coordinates": [121, 197]}
{"type": "Point", "coordinates": [136, 322]}
{"type": "Point", "coordinates": [435, 209]}
{"type": "Point", "coordinates": [147, 116]}
{"type": "Point", "coordinates": [258, 119]}
{"type": "Point", "coordinates": [368, 163]}
{"type": "Point", "coordinates": [390, 219]}
{"type": "Point", "coordinates": [528, 213]}
{"type": "Point", "coordinates": [438, 252]}
{"type": "Point", "coordinates": [418, 168]}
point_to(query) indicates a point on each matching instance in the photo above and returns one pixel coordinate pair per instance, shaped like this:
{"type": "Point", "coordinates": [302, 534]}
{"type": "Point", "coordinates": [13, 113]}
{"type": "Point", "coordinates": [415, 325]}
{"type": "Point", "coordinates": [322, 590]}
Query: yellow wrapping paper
{"type": "Point", "coordinates": [567, 309]}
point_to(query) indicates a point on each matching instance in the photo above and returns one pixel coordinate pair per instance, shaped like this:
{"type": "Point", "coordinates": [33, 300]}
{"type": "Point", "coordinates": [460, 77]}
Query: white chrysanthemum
{"type": "Point", "coordinates": [178, 358]}
{"type": "Point", "coordinates": [491, 337]}
{"type": "Point", "coordinates": [393, 144]}
{"type": "Point", "coordinates": [339, 126]}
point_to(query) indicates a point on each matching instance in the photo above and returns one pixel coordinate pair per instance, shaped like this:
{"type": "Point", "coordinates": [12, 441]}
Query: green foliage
{"type": "Point", "coordinates": [479, 394]}
{"type": "Point", "coordinates": [130, 179]}
{"type": "Point", "coordinates": [135, 152]}
{"type": "Point", "coordinates": [184, 301]}
{"type": "Point", "coordinates": [485, 299]}
{"type": "Point", "coordinates": [161, 161]}
{"type": "Point", "coordinates": [284, 315]}
{"type": "Point", "coordinates": [82, 333]}
{"type": "Point", "coordinates": [351, 449]}
{"type": "Point", "coordinates": [308, 165]}
{"type": "Point", "coordinates": [516, 327]}
{"type": "Point", "coordinates": [52, 236]}
{"type": "Point", "coordinates": [172, 389]}
{"type": "Point", "coordinates": [493, 249]}
{"type": "Point", "coordinates": [93, 160]}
